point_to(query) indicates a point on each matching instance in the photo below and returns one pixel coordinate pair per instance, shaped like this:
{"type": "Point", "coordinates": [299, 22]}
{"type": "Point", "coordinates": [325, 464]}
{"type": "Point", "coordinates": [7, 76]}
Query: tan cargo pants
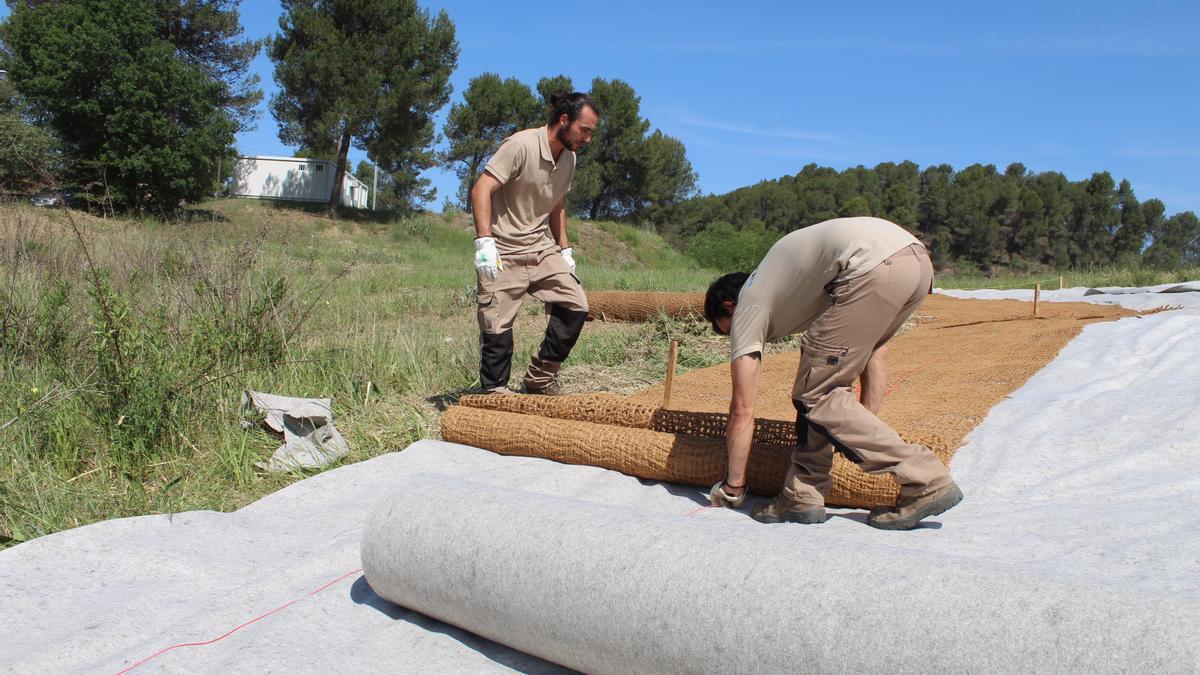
{"type": "Point", "coordinates": [864, 313]}
{"type": "Point", "coordinates": [546, 276]}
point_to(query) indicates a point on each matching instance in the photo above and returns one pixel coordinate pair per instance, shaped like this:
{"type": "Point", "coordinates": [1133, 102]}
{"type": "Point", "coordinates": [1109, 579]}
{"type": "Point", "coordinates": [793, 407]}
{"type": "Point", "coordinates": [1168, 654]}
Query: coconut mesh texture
{"type": "Point", "coordinates": [639, 306]}
{"type": "Point", "coordinates": [963, 357]}
{"type": "Point", "coordinates": [681, 446]}
{"type": "Point", "coordinates": [605, 408]}
{"type": "Point", "coordinates": [654, 455]}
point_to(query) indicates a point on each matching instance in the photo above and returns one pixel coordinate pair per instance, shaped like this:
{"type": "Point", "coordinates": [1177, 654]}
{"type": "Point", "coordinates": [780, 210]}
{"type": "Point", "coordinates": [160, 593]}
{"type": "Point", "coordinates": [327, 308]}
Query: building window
{"type": "Point", "coordinates": [320, 167]}
{"type": "Point", "coordinates": [303, 167]}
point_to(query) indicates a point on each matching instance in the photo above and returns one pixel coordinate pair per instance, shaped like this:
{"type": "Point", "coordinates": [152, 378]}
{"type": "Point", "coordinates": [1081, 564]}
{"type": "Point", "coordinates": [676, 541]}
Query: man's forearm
{"type": "Point", "coordinates": [481, 211]}
{"type": "Point", "coordinates": [558, 227]}
{"type": "Point", "coordinates": [740, 433]}
{"type": "Point", "coordinates": [738, 440]}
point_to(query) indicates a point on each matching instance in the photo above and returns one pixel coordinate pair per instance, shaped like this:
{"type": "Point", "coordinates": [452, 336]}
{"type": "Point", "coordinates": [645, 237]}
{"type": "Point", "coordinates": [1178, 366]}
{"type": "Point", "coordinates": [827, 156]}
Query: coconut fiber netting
{"type": "Point", "coordinates": [961, 358]}
{"type": "Point", "coordinates": [639, 306]}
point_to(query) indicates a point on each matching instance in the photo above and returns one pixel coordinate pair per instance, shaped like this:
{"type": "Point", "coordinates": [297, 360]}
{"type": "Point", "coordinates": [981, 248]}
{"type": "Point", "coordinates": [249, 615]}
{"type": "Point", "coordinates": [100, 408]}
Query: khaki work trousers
{"type": "Point", "coordinates": [864, 313]}
{"type": "Point", "coordinates": [546, 276]}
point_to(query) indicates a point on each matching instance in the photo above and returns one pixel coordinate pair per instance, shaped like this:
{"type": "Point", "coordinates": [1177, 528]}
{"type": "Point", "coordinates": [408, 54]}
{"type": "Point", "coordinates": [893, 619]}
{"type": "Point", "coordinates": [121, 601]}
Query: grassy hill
{"type": "Point", "coordinates": [121, 389]}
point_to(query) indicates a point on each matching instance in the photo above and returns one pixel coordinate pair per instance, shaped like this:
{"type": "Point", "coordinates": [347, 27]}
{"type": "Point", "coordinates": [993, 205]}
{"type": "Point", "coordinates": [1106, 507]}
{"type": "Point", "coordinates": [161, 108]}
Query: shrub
{"type": "Point", "coordinates": [726, 249]}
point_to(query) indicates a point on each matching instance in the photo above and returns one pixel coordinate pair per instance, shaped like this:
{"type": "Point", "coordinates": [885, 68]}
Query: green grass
{"type": "Point", "coordinates": [119, 393]}
{"type": "Point", "coordinates": [146, 362]}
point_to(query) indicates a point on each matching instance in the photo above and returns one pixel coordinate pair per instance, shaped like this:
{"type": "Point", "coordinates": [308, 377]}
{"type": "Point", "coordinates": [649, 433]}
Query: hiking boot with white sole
{"type": "Point", "coordinates": [805, 514]}
{"type": "Point", "coordinates": [909, 511]}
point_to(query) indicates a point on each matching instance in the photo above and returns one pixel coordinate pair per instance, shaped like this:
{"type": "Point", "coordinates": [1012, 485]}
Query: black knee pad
{"type": "Point", "coordinates": [495, 359]}
{"type": "Point", "coordinates": [803, 424]}
{"type": "Point", "coordinates": [562, 331]}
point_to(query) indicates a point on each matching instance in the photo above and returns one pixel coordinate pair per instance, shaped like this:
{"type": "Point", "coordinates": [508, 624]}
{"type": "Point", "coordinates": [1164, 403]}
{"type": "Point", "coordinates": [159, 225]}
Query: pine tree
{"type": "Point", "coordinates": [141, 127]}
{"type": "Point", "coordinates": [624, 172]}
{"type": "Point", "coordinates": [367, 72]}
{"type": "Point", "coordinates": [492, 110]}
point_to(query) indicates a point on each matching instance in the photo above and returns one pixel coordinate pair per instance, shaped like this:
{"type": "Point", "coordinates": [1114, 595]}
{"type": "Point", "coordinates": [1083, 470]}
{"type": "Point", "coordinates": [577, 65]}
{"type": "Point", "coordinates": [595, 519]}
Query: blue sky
{"type": "Point", "coordinates": [756, 90]}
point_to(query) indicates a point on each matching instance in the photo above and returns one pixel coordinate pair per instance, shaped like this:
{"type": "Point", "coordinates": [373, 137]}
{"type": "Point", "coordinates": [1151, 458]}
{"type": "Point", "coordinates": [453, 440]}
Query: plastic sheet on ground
{"type": "Point", "coordinates": [1176, 288]}
{"type": "Point", "coordinates": [310, 440]}
{"type": "Point", "coordinates": [1076, 549]}
{"type": "Point", "coordinates": [1143, 298]}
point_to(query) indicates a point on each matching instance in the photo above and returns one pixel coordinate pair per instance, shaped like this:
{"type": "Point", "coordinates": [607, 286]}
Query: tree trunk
{"type": "Point", "coordinates": [594, 207]}
{"type": "Point", "coordinates": [339, 173]}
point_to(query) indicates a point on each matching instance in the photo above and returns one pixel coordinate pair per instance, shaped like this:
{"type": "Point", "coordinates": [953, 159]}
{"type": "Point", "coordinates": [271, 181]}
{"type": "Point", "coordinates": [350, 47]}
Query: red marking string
{"type": "Point", "coordinates": [239, 627]}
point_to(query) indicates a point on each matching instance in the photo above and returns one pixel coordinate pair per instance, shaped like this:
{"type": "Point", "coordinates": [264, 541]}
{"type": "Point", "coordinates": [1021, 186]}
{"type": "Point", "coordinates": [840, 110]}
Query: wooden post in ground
{"type": "Point", "coordinates": [1037, 292]}
{"type": "Point", "coordinates": [670, 373]}
{"type": "Point", "coordinates": [1060, 282]}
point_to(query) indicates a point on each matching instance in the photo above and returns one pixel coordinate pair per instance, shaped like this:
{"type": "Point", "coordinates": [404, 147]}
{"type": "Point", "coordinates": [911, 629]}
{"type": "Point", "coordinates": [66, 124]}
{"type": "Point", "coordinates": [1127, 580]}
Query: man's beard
{"type": "Point", "coordinates": [566, 140]}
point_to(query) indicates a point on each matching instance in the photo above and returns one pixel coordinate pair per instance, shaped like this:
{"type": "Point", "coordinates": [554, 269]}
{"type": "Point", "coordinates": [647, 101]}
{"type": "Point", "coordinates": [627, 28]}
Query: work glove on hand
{"type": "Point", "coordinates": [718, 497]}
{"type": "Point", "coordinates": [568, 254]}
{"type": "Point", "coordinates": [487, 259]}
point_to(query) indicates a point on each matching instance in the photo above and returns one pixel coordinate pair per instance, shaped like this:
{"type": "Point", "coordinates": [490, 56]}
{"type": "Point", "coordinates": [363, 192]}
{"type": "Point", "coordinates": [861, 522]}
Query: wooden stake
{"type": "Point", "coordinates": [670, 373]}
{"type": "Point", "coordinates": [367, 398]}
{"type": "Point", "coordinates": [1060, 282]}
{"type": "Point", "coordinates": [1037, 292]}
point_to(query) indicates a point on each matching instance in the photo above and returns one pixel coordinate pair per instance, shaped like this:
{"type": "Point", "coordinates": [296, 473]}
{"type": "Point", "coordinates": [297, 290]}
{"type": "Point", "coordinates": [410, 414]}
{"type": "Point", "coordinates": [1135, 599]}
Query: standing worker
{"type": "Point", "coordinates": [521, 244]}
{"type": "Point", "coordinates": [849, 283]}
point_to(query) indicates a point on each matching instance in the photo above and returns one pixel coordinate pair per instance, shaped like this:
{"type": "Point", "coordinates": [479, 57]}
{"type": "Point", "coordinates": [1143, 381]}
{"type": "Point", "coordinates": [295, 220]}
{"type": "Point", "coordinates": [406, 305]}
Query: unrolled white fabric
{"type": "Point", "coordinates": [1079, 538]}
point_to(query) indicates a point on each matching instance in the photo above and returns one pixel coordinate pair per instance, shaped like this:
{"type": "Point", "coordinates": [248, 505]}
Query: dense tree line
{"type": "Point", "coordinates": [136, 102]}
{"type": "Point", "coordinates": [626, 171]}
{"type": "Point", "coordinates": [141, 97]}
{"type": "Point", "coordinates": [975, 217]}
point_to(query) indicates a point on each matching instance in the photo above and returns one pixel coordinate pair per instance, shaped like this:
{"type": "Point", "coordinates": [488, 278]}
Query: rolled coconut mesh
{"type": "Point", "coordinates": [640, 306]}
{"type": "Point", "coordinates": [677, 446]}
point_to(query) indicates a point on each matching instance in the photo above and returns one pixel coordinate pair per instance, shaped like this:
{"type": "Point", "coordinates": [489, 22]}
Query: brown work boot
{"type": "Point", "coordinates": [498, 390]}
{"type": "Point", "coordinates": [786, 512]}
{"type": "Point", "coordinates": [551, 389]}
{"type": "Point", "coordinates": [542, 378]}
{"type": "Point", "coordinates": [909, 511]}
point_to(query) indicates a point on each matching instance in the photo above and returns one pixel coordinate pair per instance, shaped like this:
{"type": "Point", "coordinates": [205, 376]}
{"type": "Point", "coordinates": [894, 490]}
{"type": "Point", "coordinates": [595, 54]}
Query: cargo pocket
{"type": "Point", "coordinates": [821, 370]}
{"type": "Point", "coordinates": [486, 311]}
{"type": "Point", "coordinates": [835, 291]}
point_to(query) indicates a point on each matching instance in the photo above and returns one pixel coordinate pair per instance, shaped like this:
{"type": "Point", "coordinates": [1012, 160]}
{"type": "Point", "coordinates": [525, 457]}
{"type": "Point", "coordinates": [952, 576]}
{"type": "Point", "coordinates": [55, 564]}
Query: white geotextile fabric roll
{"type": "Point", "coordinates": [605, 589]}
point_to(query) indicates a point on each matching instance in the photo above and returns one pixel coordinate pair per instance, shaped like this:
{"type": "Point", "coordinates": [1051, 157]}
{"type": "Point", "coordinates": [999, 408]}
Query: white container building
{"type": "Point", "coordinates": [294, 179]}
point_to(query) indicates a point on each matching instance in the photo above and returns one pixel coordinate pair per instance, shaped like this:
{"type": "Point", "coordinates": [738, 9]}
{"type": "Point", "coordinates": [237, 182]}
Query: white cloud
{"type": "Point", "coordinates": [745, 149]}
{"type": "Point", "coordinates": [1130, 43]}
{"type": "Point", "coordinates": [768, 132]}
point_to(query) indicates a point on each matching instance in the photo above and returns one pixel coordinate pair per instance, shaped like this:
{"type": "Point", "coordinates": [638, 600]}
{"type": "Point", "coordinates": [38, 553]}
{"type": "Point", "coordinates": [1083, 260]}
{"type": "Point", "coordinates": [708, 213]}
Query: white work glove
{"type": "Point", "coordinates": [487, 259]}
{"type": "Point", "coordinates": [718, 497]}
{"type": "Point", "coordinates": [568, 254]}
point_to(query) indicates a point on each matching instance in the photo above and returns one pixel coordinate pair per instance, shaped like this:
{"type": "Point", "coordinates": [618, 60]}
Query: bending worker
{"type": "Point", "coordinates": [849, 283]}
{"type": "Point", "coordinates": [521, 244]}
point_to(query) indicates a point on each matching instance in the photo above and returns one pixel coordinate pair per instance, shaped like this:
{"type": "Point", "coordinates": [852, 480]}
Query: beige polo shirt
{"type": "Point", "coordinates": [531, 183]}
{"type": "Point", "coordinates": [787, 291]}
